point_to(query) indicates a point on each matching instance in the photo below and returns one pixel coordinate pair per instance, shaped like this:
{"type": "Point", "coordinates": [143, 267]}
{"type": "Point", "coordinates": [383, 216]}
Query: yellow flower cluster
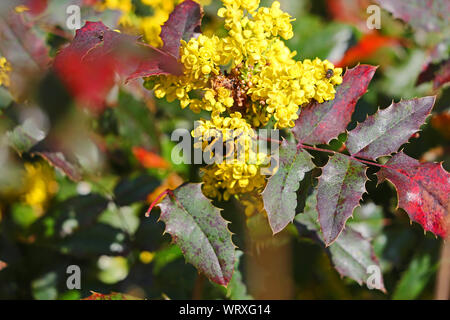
{"type": "Point", "coordinates": [149, 21]}
{"type": "Point", "coordinates": [5, 69]}
{"type": "Point", "coordinates": [39, 185]}
{"type": "Point", "coordinates": [247, 77]}
{"type": "Point", "coordinates": [238, 171]}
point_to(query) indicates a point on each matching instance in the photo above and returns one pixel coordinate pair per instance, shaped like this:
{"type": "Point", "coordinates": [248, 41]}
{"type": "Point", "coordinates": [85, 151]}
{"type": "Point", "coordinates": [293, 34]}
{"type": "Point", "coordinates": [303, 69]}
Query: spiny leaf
{"type": "Point", "coordinates": [384, 132]}
{"type": "Point", "coordinates": [89, 64]}
{"type": "Point", "coordinates": [351, 253]}
{"type": "Point", "coordinates": [420, 14]}
{"type": "Point", "coordinates": [423, 191]}
{"type": "Point", "coordinates": [280, 198]}
{"type": "Point", "coordinates": [340, 189]}
{"type": "Point", "coordinates": [200, 231]}
{"type": "Point", "coordinates": [321, 122]}
{"type": "Point", "coordinates": [184, 22]}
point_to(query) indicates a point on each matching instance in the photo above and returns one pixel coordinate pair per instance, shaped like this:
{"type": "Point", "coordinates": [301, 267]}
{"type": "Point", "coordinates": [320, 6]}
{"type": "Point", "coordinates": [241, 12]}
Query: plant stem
{"type": "Point", "coordinates": [304, 146]}
{"type": "Point", "coordinates": [162, 194]}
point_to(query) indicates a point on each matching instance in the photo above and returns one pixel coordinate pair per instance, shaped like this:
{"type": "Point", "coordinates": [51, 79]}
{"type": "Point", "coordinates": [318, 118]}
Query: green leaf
{"type": "Point", "coordinates": [415, 278]}
{"type": "Point", "coordinates": [197, 227]}
{"type": "Point", "coordinates": [384, 132]}
{"type": "Point", "coordinates": [21, 139]}
{"type": "Point", "coordinates": [351, 253]}
{"type": "Point", "coordinates": [237, 290]}
{"type": "Point", "coordinates": [340, 189]}
{"type": "Point", "coordinates": [280, 198]}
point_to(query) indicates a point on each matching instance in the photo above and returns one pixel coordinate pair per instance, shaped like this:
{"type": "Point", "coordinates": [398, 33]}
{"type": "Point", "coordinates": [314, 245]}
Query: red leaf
{"type": "Point", "coordinates": [36, 7]}
{"type": "Point", "coordinates": [149, 159]}
{"type": "Point", "coordinates": [88, 66]}
{"type": "Point", "coordinates": [423, 191]}
{"type": "Point", "coordinates": [320, 123]}
{"type": "Point", "coordinates": [350, 11]}
{"type": "Point", "coordinates": [367, 46]}
{"type": "Point", "coordinates": [184, 22]}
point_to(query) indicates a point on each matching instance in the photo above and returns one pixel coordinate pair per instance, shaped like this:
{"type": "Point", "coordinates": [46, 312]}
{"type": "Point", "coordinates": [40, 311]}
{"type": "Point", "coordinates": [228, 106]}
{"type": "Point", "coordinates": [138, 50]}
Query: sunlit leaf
{"type": "Point", "coordinates": [197, 227]}
{"type": "Point", "coordinates": [280, 194]}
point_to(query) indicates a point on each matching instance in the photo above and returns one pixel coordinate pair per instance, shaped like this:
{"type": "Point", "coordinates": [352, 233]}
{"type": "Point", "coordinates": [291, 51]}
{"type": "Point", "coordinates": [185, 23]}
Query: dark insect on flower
{"type": "Point", "coordinates": [330, 73]}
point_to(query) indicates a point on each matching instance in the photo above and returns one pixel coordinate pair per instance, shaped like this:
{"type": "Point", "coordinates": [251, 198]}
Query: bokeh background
{"type": "Point", "coordinates": [80, 162]}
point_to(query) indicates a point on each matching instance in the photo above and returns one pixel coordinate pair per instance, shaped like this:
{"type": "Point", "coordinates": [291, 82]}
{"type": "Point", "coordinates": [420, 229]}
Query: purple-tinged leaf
{"type": "Point", "coordinates": [423, 191]}
{"type": "Point", "coordinates": [183, 24]}
{"type": "Point", "coordinates": [89, 65]}
{"type": "Point", "coordinates": [384, 132]}
{"type": "Point", "coordinates": [351, 253]}
{"type": "Point", "coordinates": [280, 194]}
{"type": "Point", "coordinates": [197, 227]}
{"type": "Point", "coordinates": [340, 189]}
{"type": "Point", "coordinates": [428, 15]}
{"type": "Point", "coordinates": [25, 51]}
{"type": "Point", "coordinates": [59, 161]}
{"type": "Point", "coordinates": [321, 122]}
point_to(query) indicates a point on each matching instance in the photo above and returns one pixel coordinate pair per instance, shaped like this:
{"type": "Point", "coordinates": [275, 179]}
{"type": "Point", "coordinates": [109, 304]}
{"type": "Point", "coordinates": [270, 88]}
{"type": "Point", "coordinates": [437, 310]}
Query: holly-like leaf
{"type": "Point", "coordinates": [183, 24]}
{"type": "Point", "coordinates": [384, 132]}
{"type": "Point", "coordinates": [420, 14]}
{"type": "Point", "coordinates": [351, 253]}
{"type": "Point", "coordinates": [423, 191]}
{"type": "Point", "coordinates": [89, 64]}
{"type": "Point", "coordinates": [340, 189]}
{"type": "Point", "coordinates": [321, 122]}
{"type": "Point", "coordinates": [197, 227]}
{"type": "Point", "coordinates": [25, 51]}
{"type": "Point", "coordinates": [280, 197]}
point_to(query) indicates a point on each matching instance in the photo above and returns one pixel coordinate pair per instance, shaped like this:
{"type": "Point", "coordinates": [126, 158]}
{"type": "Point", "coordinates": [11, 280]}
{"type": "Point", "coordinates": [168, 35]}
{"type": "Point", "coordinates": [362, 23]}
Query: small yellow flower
{"type": "Point", "coordinates": [5, 70]}
{"type": "Point", "coordinates": [39, 186]}
{"type": "Point", "coordinates": [146, 257]}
